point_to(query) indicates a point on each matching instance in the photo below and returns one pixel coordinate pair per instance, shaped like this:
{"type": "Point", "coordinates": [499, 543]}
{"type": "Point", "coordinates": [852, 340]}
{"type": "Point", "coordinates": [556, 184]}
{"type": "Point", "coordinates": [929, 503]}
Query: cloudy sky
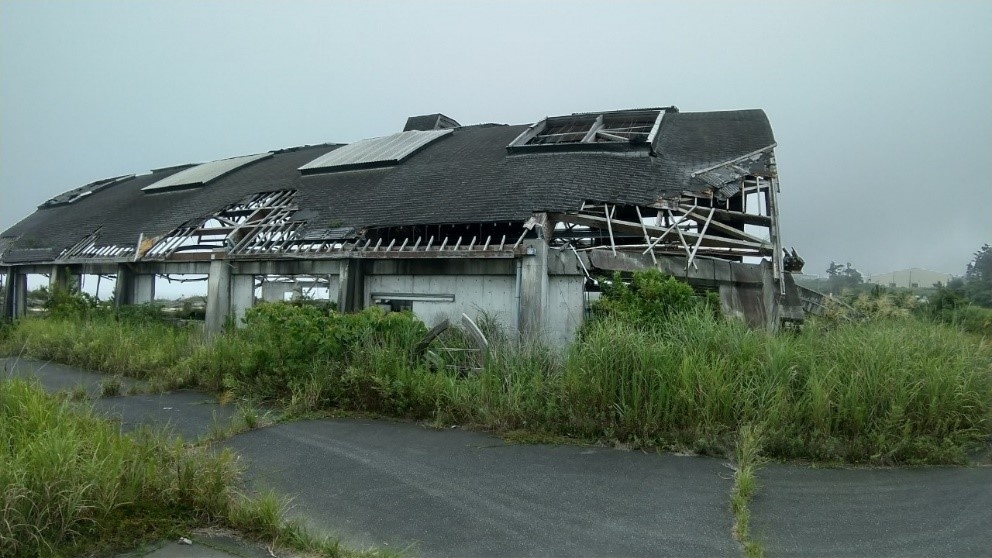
{"type": "Point", "coordinates": [881, 110]}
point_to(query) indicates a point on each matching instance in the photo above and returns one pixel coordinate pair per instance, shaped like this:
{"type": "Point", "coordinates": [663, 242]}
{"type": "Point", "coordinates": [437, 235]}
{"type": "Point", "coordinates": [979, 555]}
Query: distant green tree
{"type": "Point", "coordinates": [841, 277]}
{"type": "Point", "coordinates": [978, 277]}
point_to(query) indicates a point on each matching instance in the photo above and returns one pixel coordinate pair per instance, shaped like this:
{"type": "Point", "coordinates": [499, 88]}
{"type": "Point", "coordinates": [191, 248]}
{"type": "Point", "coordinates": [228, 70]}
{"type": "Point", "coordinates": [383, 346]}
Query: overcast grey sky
{"type": "Point", "coordinates": [881, 110]}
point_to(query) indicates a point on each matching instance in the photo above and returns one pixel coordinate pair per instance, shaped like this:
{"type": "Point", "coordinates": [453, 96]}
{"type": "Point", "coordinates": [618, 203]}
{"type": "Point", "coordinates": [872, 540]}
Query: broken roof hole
{"type": "Point", "coordinates": [77, 194]}
{"type": "Point", "coordinates": [593, 130]}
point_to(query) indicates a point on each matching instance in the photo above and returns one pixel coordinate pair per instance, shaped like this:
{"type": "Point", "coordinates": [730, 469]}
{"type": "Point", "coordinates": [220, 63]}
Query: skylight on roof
{"type": "Point", "coordinates": [376, 152]}
{"type": "Point", "coordinates": [201, 175]}
{"type": "Point", "coordinates": [593, 129]}
{"type": "Point", "coordinates": [77, 194]}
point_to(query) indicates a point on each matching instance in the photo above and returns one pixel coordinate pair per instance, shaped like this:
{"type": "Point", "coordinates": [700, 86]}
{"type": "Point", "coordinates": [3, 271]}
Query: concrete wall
{"type": "Point", "coordinates": [473, 294]}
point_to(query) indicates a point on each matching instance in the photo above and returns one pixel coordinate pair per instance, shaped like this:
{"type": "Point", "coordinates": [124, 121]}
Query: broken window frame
{"type": "Point", "coordinates": [596, 131]}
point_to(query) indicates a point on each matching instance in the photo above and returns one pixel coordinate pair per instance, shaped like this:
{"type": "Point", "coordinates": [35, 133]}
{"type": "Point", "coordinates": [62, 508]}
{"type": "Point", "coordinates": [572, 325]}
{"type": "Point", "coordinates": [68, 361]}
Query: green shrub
{"type": "Point", "coordinates": [285, 346]}
{"type": "Point", "coordinates": [650, 297]}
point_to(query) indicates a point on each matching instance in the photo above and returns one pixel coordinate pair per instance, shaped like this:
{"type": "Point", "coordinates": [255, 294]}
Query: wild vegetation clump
{"type": "Point", "coordinates": [657, 366]}
{"type": "Point", "coordinates": [74, 485]}
{"type": "Point", "coordinates": [72, 482]}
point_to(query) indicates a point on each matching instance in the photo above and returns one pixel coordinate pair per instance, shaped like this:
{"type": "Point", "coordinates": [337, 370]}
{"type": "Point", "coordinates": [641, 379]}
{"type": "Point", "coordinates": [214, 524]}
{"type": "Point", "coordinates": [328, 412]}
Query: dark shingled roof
{"type": "Point", "coordinates": [466, 177]}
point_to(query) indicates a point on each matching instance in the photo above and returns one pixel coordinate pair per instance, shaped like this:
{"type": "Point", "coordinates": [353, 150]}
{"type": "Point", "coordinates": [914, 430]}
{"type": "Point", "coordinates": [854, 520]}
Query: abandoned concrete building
{"type": "Point", "coordinates": [515, 221]}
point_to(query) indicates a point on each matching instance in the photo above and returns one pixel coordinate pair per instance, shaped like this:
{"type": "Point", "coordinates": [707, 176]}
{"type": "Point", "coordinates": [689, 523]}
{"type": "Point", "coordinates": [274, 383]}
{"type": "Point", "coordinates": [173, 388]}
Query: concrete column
{"type": "Point", "coordinates": [123, 289]}
{"type": "Point", "coordinates": [20, 288]}
{"type": "Point", "coordinates": [242, 296]}
{"type": "Point", "coordinates": [218, 297]}
{"type": "Point", "coordinates": [351, 286]}
{"type": "Point", "coordinates": [143, 289]}
{"type": "Point", "coordinates": [62, 278]}
{"type": "Point", "coordinates": [533, 279]}
{"type": "Point", "coordinates": [133, 288]}
{"type": "Point", "coordinates": [9, 298]}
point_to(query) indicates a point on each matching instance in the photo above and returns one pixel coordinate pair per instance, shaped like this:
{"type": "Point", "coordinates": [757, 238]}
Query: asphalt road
{"type": "Point", "coordinates": [457, 493]}
{"type": "Point", "coordinates": [933, 511]}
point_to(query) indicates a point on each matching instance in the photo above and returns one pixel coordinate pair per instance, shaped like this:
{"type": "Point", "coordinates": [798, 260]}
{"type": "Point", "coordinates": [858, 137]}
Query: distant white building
{"type": "Point", "coordinates": [910, 278]}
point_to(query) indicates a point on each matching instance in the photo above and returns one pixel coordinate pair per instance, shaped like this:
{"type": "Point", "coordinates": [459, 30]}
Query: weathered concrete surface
{"type": "Point", "coordinates": [800, 511]}
{"type": "Point", "coordinates": [456, 493]}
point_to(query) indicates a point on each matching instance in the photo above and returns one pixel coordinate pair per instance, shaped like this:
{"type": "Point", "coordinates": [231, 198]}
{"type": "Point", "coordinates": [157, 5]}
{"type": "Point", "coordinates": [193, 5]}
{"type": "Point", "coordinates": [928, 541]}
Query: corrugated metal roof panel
{"type": "Point", "coordinates": [388, 150]}
{"type": "Point", "coordinates": [203, 174]}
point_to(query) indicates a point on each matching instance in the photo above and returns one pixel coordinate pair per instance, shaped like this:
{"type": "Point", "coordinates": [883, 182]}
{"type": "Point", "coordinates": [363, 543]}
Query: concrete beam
{"type": "Point", "coordinates": [287, 267]}
{"type": "Point", "coordinates": [218, 297]}
{"type": "Point", "coordinates": [442, 266]}
{"type": "Point", "coordinates": [533, 290]}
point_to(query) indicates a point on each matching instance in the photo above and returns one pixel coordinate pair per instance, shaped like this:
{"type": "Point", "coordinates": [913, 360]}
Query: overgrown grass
{"type": "Point", "coordinates": [72, 482]}
{"type": "Point", "coordinates": [894, 389]}
{"type": "Point", "coordinates": [73, 485]}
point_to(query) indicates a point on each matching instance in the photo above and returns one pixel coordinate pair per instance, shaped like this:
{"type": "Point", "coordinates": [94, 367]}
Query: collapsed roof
{"type": "Point", "coordinates": [436, 172]}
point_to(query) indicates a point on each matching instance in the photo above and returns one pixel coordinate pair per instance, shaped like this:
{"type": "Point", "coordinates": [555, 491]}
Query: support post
{"type": "Point", "coordinates": [62, 278]}
{"type": "Point", "coordinates": [533, 290]}
{"type": "Point", "coordinates": [15, 297]}
{"type": "Point", "coordinates": [133, 288]}
{"type": "Point", "coordinates": [20, 288]}
{"type": "Point", "coordinates": [143, 289]}
{"type": "Point", "coordinates": [242, 296]}
{"type": "Point", "coordinates": [351, 286]}
{"type": "Point", "coordinates": [124, 288]}
{"type": "Point", "coordinates": [218, 297]}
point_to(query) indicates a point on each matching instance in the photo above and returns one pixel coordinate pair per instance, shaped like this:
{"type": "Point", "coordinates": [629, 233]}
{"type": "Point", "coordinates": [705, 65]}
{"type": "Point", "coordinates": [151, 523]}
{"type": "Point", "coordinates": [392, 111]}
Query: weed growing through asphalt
{"type": "Point", "coordinates": [747, 461]}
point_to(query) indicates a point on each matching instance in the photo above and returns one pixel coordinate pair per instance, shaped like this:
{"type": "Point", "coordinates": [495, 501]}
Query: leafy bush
{"type": "Point", "coordinates": [69, 304]}
{"type": "Point", "coordinates": [650, 298]}
{"type": "Point", "coordinates": [282, 346]}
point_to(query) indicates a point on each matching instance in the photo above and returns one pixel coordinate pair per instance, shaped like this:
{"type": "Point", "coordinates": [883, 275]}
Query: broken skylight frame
{"type": "Point", "coordinates": [607, 130]}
